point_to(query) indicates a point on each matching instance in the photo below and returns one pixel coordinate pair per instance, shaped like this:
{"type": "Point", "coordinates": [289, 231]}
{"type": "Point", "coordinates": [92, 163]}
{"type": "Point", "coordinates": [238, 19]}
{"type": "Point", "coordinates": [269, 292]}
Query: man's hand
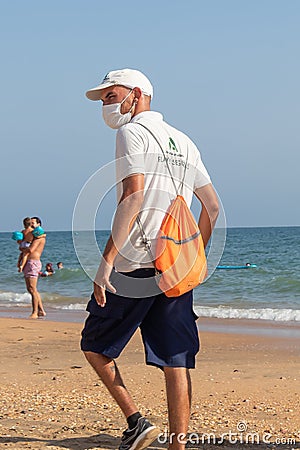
{"type": "Point", "coordinates": [102, 282]}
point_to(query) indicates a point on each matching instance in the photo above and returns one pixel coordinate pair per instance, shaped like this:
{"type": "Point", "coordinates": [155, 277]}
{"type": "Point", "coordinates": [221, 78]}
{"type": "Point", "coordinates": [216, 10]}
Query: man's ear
{"type": "Point", "coordinates": [137, 93]}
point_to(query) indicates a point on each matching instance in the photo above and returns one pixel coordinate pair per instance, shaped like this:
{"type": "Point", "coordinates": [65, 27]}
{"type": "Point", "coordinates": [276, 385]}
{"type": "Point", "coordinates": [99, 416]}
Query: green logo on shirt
{"type": "Point", "coordinates": [172, 145]}
{"type": "Point", "coordinates": [173, 150]}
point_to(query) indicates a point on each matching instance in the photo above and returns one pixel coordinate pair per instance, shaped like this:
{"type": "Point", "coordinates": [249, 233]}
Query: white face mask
{"type": "Point", "coordinates": [112, 114]}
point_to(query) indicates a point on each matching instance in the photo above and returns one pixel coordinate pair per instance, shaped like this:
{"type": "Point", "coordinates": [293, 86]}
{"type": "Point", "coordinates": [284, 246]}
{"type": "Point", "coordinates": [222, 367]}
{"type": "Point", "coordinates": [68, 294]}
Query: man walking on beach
{"type": "Point", "coordinates": [118, 308]}
{"type": "Point", "coordinates": [33, 267]}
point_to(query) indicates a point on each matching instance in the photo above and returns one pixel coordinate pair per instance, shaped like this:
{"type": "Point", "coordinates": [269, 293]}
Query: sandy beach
{"type": "Point", "coordinates": [245, 389]}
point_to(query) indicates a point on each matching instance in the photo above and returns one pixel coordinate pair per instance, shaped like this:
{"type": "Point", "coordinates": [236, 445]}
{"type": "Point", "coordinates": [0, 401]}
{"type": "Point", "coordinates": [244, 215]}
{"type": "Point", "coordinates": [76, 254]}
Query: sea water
{"type": "Point", "coordinates": [271, 291]}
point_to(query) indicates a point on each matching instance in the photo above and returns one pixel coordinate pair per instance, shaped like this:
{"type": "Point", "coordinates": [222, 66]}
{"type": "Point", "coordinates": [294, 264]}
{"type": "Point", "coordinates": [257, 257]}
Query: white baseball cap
{"type": "Point", "coordinates": [125, 77]}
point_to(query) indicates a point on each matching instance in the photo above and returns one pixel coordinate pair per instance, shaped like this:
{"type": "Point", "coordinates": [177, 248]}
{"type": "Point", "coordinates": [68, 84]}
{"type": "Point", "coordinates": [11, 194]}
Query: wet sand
{"type": "Point", "coordinates": [246, 388]}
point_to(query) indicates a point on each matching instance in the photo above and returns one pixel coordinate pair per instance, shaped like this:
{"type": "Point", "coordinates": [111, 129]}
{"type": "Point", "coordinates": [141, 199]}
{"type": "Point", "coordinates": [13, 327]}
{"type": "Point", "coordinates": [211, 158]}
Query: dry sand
{"type": "Point", "coordinates": [245, 387]}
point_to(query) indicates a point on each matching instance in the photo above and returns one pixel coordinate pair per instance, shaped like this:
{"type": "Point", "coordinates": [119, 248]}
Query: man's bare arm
{"type": "Point", "coordinates": [127, 210]}
{"type": "Point", "coordinates": [209, 212]}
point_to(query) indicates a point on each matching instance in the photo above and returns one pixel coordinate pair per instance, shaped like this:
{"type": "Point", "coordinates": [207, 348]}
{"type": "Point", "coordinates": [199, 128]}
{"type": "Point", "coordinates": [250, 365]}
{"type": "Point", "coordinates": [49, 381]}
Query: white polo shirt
{"type": "Point", "coordinates": [137, 152]}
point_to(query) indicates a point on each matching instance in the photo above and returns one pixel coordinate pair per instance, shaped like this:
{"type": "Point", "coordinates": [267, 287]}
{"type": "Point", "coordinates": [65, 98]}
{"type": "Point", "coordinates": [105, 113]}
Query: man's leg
{"type": "Point", "coordinates": [108, 372]}
{"type": "Point", "coordinates": [37, 305]}
{"type": "Point", "coordinates": [170, 336]}
{"type": "Point", "coordinates": [107, 330]}
{"type": "Point", "coordinates": [140, 433]}
{"type": "Point", "coordinates": [179, 393]}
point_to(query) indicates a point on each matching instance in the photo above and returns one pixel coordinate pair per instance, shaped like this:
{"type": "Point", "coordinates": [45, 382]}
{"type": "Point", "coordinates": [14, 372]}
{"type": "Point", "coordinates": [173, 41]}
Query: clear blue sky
{"type": "Point", "coordinates": [225, 72]}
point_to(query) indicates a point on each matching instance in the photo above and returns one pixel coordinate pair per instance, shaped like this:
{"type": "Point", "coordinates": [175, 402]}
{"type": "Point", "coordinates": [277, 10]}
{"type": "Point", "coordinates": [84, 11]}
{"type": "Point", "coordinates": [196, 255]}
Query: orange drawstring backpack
{"type": "Point", "coordinates": [180, 259]}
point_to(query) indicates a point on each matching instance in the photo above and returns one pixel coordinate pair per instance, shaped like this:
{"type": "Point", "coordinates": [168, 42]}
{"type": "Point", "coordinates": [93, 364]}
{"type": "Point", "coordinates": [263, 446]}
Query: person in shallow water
{"type": "Point", "coordinates": [48, 271]}
{"type": "Point", "coordinates": [33, 267]}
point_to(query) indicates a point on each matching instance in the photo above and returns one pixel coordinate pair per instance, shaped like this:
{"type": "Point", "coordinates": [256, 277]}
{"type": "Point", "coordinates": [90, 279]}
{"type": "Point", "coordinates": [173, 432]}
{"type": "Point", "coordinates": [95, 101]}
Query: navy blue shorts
{"type": "Point", "coordinates": [168, 327]}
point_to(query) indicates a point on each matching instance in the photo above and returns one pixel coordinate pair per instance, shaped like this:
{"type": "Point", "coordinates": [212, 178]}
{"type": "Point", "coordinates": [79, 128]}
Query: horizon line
{"type": "Point", "coordinates": [228, 227]}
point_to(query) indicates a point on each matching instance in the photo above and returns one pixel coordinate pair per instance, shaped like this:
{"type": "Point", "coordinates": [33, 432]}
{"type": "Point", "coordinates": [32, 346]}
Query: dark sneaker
{"type": "Point", "coordinates": [139, 437]}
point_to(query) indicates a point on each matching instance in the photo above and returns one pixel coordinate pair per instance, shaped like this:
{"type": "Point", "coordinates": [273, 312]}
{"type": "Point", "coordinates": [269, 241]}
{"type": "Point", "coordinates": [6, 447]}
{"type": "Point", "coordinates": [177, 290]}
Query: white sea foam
{"type": "Point", "coordinates": [10, 299]}
{"type": "Point", "coordinates": [278, 315]}
{"type": "Point", "coordinates": [222, 312]}
{"type": "Point", "coordinates": [73, 307]}
{"type": "Point", "coordinates": [14, 298]}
